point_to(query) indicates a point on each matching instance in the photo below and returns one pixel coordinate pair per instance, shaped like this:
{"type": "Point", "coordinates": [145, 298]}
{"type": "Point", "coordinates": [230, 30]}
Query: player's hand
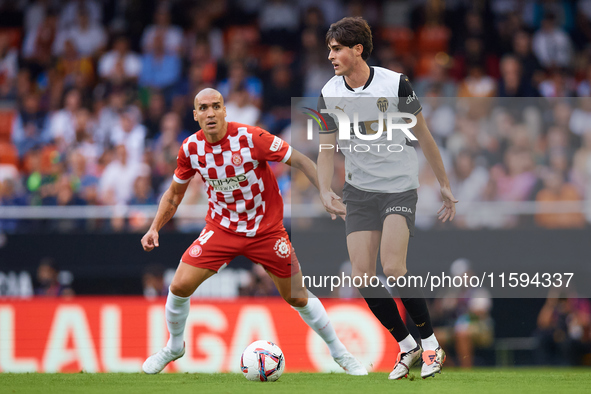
{"type": "Point", "coordinates": [150, 240]}
{"type": "Point", "coordinates": [341, 206]}
{"type": "Point", "coordinates": [448, 208]}
{"type": "Point", "coordinates": [333, 205]}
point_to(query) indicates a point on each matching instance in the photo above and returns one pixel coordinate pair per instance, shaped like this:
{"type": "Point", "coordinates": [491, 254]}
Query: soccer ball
{"type": "Point", "coordinates": [262, 360]}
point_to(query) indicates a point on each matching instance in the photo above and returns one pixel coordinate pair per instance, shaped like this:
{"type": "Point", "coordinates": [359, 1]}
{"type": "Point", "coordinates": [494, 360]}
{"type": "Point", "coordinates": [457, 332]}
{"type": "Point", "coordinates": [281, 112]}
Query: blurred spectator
{"type": "Point", "coordinates": [238, 75]}
{"type": "Point", "coordinates": [557, 190]}
{"type": "Point", "coordinates": [279, 88]}
{"type": "Point", "coordinates": [279, 22]}
{"type": "Point", "coordinates": [436, 81]}
{"type": "Point", "coordinates": [153, 281]}
{"type": "Point", "coordinates": [259, 285]}
{"type": "Point", "coordinates": [580, 119]}
{"type": "Point", "coordinates": [468, 182]}
{"type": "Point", "coordinates": [35, 13]}
{"type": "Point", "coordinates": [131, 133]}
{"type": "Point", "coordinates": [120, 65]}
{"type": "Point", "coordinates": [200, 56]}
{"type": "Point", "coordinates": [161, 69]}
{"type": "Point", "coordinates": [531, 69]}
{"type": "Point", "coordinates": [109, 117]}
{"type": "Point", "coordinates": [582, 164]}
{"type": "Point", "coordinates": [88, 37]}
{"type": "Point", "coordinates": [30, 127]}
{"type": "Point", "coordinates": [564, 329]}
{"type": "Point", "coordinates": [429, 196]}
{"type": "Point", "coordinates": [201, 29]}
{"type": "Point", "coordinates": [74, 70]}
{"type": "Point", "coordinates": [584, 87]}
{"type": "Point", "coordinates": [477, 84]}
{"type": "Point", "coordinates": [461, 317]}
{"type": "Point", "coordinates": [168, 141]}
{"type": "Point", "coordinates": [11, 195]}
{"type": "Point", "coordinates": [48, 280]}
{"type": "Point", "coordinates": [439, 114]}
{"type": "Point", "coordinates": [62, 122]}
{"type": "Point", "coordinates": [240, 109]}
{"type": "Point", "coordinates": [154, 112]}
{"type": "Point", "coordinates": [81, 175]}
{"type": "Point", "coordinates": [171, 36]}
{"type": "Point", "coordinates": [515, 178]}
{"type": "Point", "coordinates": [552, 45]}
{"type": "Point", "coordinates": [72, 10]}
{"type": "Point", "coordinates": [8, 69]}
{"type": "Point", "coordinates": [117, 180]}
{"type": "Point", "coordinates": [142, 192]}
{"type": "Point", "coordinates": [512, 82]}
{"type": "Point", "coordinates": [559, 83]}
{"type": "Point", "coordinates": [38, 43]}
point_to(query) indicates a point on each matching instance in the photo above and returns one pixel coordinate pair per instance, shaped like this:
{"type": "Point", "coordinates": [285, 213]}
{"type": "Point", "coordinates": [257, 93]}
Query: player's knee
{"type": "Point", "coordinates": [181, 289]}
{"type": "Point", "coordinates": [394, 272]}
{"type": "Point", "coordinates": [297, 302]}
{"type": "Point", "coordinates": [361, 272]}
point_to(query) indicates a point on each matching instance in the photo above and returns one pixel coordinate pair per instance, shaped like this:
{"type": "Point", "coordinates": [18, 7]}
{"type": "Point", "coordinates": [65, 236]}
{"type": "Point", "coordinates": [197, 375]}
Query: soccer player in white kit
{"type": "Point", "coordinates": [380, 184]}
{"type": "Point", "coordinates": [245, 217]}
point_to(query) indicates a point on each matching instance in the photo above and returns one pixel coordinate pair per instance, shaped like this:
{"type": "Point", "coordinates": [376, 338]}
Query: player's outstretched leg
{"type": "Point", "coordinates": [186, 280]}
{"type": "Point", "coordinates": [313, 313]}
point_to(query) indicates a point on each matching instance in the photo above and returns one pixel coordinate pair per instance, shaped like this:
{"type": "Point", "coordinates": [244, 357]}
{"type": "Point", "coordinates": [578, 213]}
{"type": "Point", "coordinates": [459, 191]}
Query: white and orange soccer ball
{"type": "Point", "coordinates": [262, 361]}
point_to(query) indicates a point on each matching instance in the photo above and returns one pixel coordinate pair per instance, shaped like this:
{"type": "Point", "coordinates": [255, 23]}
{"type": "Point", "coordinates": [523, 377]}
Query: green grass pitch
{"type": "Point", "coordinates": [480, 381]}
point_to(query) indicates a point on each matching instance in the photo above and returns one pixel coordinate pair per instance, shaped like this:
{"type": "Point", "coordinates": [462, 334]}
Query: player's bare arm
{"type": "Point", "coordinates": [325, 171]}
{"type": "Point", "coordinates": [305, 165]}
{"type": "Point", "coordinates": [431, 152]}
{"type": "Point", "coordinates": [169, 203]}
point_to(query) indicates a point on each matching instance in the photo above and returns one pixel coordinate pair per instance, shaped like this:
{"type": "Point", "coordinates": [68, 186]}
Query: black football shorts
{"type": "Point", "coordinates": [366, 211]}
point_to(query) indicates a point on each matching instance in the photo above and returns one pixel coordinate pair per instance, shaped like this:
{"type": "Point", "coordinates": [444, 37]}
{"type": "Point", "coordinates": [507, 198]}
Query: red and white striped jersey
{"type": "Point", "coordinates": [243, 193]}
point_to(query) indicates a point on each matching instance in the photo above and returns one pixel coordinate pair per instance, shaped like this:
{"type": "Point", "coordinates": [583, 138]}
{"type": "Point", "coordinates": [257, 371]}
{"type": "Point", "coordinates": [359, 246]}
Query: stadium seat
{"type": "Point", "coordinates": [14, 35]}
{"type": "Point", "coordinates": [433, 39]}
{"type": "Point", "coordinates": [6, 118]}
{"type": "Point", "coordinates": [400, 38]}
{"type": "Point", "coordinates": [8, 154]}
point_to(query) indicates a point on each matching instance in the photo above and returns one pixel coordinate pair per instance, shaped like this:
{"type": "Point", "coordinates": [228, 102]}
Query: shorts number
{"type": "Point", "coordinates": [205, 236]}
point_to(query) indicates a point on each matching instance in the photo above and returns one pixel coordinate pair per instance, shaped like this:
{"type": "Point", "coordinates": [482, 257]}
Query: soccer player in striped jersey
{"type": "Point", "coordinates": [245, 217]}
{"type": "Point", "coordinates": [380, 186]}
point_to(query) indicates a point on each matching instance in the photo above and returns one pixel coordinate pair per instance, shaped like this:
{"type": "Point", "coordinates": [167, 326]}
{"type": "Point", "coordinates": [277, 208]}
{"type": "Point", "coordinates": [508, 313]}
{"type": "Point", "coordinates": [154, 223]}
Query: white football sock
{"type": "Point", "coordinates": [315, 316]}
{"type": "Point", "coordinates": [177, 310]}
{"type": "Point", "coordinates": [430, 343]}
{"type": "Point", "coordinates": [407, 344]}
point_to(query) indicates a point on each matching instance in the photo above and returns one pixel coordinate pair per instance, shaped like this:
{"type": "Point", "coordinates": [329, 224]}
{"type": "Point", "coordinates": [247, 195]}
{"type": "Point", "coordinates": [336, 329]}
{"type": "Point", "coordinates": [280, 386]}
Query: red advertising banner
{"type": "Point", "coordinates": [116, 334]}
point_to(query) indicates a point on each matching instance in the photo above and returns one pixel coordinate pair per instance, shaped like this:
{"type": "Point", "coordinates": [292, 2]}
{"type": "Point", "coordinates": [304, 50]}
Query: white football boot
{"type": "Point", "coordinates": [404, 362]}
{"type": "Point", "coordinates": [158, 361]}
{"type": "Point", "coordinates": [432, 362]}
{"type": "Point", "coordinates": [350, 364]}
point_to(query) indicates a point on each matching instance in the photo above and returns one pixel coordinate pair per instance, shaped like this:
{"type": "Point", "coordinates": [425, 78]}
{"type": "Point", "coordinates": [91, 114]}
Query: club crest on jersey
{"type": "Point", "coordinates": [382, 104]}
{"type": "Point", "coordinates": [282, 248]}
{"type": "Point", "coordinates": [236, 158]}
{"type": "Point", "coordinates": [195, 251]}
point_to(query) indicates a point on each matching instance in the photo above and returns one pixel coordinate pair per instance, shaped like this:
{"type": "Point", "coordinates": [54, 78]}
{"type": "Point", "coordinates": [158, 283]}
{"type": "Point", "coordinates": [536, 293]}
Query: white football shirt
{"type": "Point", "coordinates": [381, 165]}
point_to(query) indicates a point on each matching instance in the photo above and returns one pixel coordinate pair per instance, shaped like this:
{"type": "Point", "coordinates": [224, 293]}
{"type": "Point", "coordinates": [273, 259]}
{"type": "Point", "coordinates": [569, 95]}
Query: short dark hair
{"type": "Point", "coordinates": [351, 31]}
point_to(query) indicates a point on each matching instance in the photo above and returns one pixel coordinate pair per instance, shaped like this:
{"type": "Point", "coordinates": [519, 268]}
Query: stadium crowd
{"type": "Point", "coordinates": [102, 94]}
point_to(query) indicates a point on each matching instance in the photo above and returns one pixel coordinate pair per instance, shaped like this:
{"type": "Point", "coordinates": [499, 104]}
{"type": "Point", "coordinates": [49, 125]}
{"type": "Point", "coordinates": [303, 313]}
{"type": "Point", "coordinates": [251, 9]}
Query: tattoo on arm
{"type": "Point", "coordinates": [167, 215]}
{"type": "Point", "coordinates": [171, 202]}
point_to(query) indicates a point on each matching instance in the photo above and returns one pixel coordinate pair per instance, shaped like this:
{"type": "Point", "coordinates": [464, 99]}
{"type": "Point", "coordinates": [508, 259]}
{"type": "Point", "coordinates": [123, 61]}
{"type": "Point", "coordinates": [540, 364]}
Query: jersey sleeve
{"type": "Point", "coordinates": [330, 123]}
{"type": "Point", "coordinates": [268, 147]}
{"type": "Point", "coordinates": [184, 171]}
{"type": "Point", "coordinates": [409, 102]}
